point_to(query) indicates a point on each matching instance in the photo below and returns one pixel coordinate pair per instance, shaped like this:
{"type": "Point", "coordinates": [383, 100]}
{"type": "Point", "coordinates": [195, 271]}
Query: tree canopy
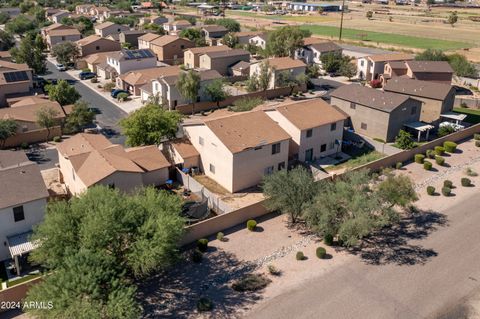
{"type": "Point", "coordinates": [230, 24]}
{"type": "Point", "coordinates": [8, 128]}
{"type": "Point", "coordinates": [80, 117]}
{"type": "Point", "coordinates": [6, 41]}
{"type": "Point", "coordinates": [30, 51]}
{"type": "Point", "coordinates": [149, 125]}
{"type": "Point", "coordinates": [63, 93]}
{"type": "Point", "coordinates": [194, 35]}
{"type": "Point", "coordinates": [404, 140]}
{"type": "Point", "coordinates": [188, 85]}
{"type": "Point", "coordinates": [216, 91]}
{"type": "Point", "coordinates": [47, 118]}
{"type": "Point", "coordinates": [285, 41]}
{"type": "Point", "coordinates": [20, 25]}
{"type": "Point", "coordinates": [66, 52]}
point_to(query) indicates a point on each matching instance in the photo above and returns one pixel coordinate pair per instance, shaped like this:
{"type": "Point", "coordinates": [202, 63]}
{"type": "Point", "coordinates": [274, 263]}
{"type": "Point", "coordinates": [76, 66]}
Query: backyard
{"type": "Point", "coordinates": [473, 116]}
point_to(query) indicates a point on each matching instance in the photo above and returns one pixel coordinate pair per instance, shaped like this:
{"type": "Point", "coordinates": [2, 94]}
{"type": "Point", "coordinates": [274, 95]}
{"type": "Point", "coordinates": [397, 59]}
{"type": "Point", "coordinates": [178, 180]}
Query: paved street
{"type": "Point", "coordinates": [428, 277]}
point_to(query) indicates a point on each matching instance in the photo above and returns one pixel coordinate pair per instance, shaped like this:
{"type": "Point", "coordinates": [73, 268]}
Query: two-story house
{"type": "Point", "coordinates": [121, 62]}
{"type": "Point", "coordinates": [213, 33]}
{"type": "Point", "coordinates": [222, 61]}
{"type": "Point", "coordinates": [106, 28]}
{"type": "Point", "coordinates": [174, 27]}
{"type": "Point", "coordinates": [314, 48]}
{"type": "Point", "coordinates": [192, 55]}
{"type": "Point", "coordinates": [15, 79]}
{"type": "Point", "coordinates": [278, 65]}
{"type": "Point", "coordinates": [372, 67]}
{"type": "Point", "coordinates": [96, 44]}
{"type": "Point", "coordinates": [170, 48]}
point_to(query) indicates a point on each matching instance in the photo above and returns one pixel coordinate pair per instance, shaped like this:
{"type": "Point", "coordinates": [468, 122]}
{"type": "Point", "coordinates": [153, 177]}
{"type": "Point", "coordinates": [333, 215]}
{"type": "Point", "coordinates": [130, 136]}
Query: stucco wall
{"type": "Point", "coordinates": [14, 88]}
{"type": "Point", "coordinates": [124, 181]}
{"type": "Point", "coordinates": [104, 45]}
{"type": "Point", "coordinates": [33, 136]}
{"type": "Point", "coordinates": [156, 177]}
{"type": "Point", "coordinates": [70, 178]}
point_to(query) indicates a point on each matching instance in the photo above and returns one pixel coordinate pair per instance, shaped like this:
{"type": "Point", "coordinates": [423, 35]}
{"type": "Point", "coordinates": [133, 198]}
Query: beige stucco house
{"type": "Point", "coordinates": [133, 81]}
{"type": "Point", "coordinates": [169, 48]}
{"type": "Point", "coordinates": [222, 61]}
{"type": "Point", "coordinates": [259, 40]}
{"type": "Point", "coordinates": [58, 36]}
{"type": "Point", "coordinates": [314, 48]}
{"type": "Point", "coordinates": [91, 159]}
{"type": "Point", "coordinates": [174, 27]}
{"type": "Point", "coordinates": [372, 67]}
{"type": "Point", "coordinates": [15, 79]}
{"type": "Point", "coordinates": [431, 71]}
{"type": "Point", "coordinates": [236, 151]}
{"type": "Point", "coordinates": [278, 65]}
{"type": "Point", "coordinates": [106, 28]}
{"type": "Point", "coordinates": [192, 55]}
{"type": "Point", "coordinates": [96, 44]}
{"type": "Point", "coordinates": [181, 153]}
{"type": "Point", "coordinates": [123, 61]}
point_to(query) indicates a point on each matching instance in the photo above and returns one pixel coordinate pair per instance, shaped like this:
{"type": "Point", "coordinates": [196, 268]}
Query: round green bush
{"type": "Point", "coordinates": [466, 182]}
{"type": "Point", "coordinates": [419, 158]}
{"type": "Point", "coordinates": [477, 143]}
{"type": "Point", "coordinates": [430, 153]}
{"type": "Point", "coordinates": [447, 183]}
{"type": "Point", "coordinates": [251, 224]}
{"type": "Point", "coordinates": [440, 160]}
{"type": "Point", "coordinates": [24, 145]}
{"type": "Point", "coordinates": [57, 139]}
{"type": "Point", "coordinates": [446, 191]}
{"type": "Point", "coordinates": [204, 304]}
{"type": "Point", "coordinates": [476, 136]}
{"type": "Point", "coordinates": [430, 190]}
{"type": "Point", "coordinates": [439, 150]}
{"type": "Point", "coordinates": [321, 252]}
{"type": "Point", "coordinates": [328, 239]}
{"type": "Point", "coordinates": [300, 255]}
{"type": "Point", "coordinates": [450, 147]}
{"type": "Point", "coordinates": [202, 244]}
{"type": "Point", "coordinates": [399, 165]}
{"type": "Point", "coordinates": [197, 256]}
{"type": "Point", "coordinates": [220, 236]}
{"type": "Point", "coordinates": [427, 165]}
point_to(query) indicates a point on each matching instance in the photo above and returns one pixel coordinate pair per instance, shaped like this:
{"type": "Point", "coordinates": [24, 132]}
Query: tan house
{"type": "Point", "coordinates": [55, 26]}
{"type": "Point", "coordinates": [84, 9]}
{"type": "Point", "coordinates": [106, 28]}
{"type": "Point", "coordinates": [123, 61]}
{"type": "Point", "coordinates": [432, 71]}
{"type": "Point", "coordinates": [241, 68]}
{"type": "Point", "coordinates": [376, 113]}
{"type": "Point", "coordinates": [213, 33]}
{"type": "Point", "coordinates": [131, 37]}
{"type": "Point", "coordinates": [96, 44]}
{"type": "Point", "coordinates": [174, 27]}
{"type": "Point", "coordinates": [144, 40]}
{"type": "Point", "coordinates": [436, 98]}
{"type": "Point", "coordinates": [92, 61]}
{"type": "Point", "coordinates": [314, 48]}
{"type": "Point", "coordinates": [181, 153]}
{"type": "Point", "coordinates": [237, 151]}
{"type": "Point", "coordinates": [91, 159]}
{"type": "Point", "coordinates": [57, 36]}
{"type": "Point", "coordinates": [57, 17]}
{"type": "Point", "coordinates": [222, 61]}
{"type": "Point", "coordinates": [15, 79]}
{"type": "Point", "coordinates": [192, 55]}
{"type": "Point", "coordinates": [133, 81]}
{"type": "Point", "coordinates": [170, 48]}
{"type": "Point", "coordinates": [259, 40]}
{"type": "Point", "coordinates": [278, 65]}
{"type": "Point", "coordinates": [316, 128]}
{"type": "Point", "coordinates": [244, 37]}
{"type": "Point", "coordinates": [372, 67]}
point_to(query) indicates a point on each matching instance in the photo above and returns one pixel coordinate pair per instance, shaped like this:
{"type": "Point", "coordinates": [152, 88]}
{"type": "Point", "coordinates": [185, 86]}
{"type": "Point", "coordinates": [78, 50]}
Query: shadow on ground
{"type": "Point", "coordinates": [174, 294]}
{"type": "Point", "coordinates": [392, 245]}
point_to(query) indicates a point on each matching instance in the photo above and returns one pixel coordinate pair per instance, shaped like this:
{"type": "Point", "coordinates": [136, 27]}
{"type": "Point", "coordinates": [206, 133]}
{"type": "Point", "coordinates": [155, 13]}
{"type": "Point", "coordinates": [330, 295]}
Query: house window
{"type": "Point", "coordinates": [212, 168]}
{"type": "Point", "coordinates": [363, 126]}
{"type": "Point", "coordinates": [268, 170]}
{"type": "Point", "coordinates": [182, 47]}
{"type": "Point", "coordinates": [97, 48]}
{"type": "Point", "coordinates": [413, 110]}
{"type": "Point", "coordinates": [323, 148]}
{"type": "Point", "coordinates": [111, 185]}
{"type": "Point", "coordinates": [175, 103]}
{"type": "Point", "coordinates": [353, 105]}
{"type": "Point", "coordinates": [63, 38]}
{"type": "Point", "coordinates": [309, 133]}
{"type": "Point", "coordinates": [200, 140]}
{"type": "Point", "coordinates": [361, 63]}
{"type": "Point", "coordinates": [281, 166]}
{"type": "Point", "coordinates": [333, 126]}
{"type": "Point", "coordinates": [18, 213]}
{"type": "Point", "coordinates": [275, 148]}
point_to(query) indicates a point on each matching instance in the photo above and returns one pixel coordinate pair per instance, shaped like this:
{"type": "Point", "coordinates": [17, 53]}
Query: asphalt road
{"type": "Point", "coordinates": [420, 276]}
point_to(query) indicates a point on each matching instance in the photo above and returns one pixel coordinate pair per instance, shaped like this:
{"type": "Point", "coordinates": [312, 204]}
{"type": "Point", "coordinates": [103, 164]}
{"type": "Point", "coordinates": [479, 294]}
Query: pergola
{"type": "Point", "coordinates": [420, 127]}
{"type": "Point", "coordinates": [19, 245]}
{"type": "Point", "coordinates": [457, 117]}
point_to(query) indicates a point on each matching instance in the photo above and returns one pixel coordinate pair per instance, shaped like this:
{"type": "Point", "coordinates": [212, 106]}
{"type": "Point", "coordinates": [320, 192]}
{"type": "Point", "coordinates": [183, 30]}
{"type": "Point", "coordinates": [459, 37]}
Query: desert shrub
{"type": "Point", "coordinates": [446, 191]}
{"type": "Point", "coordinates": [251, 224]}
{"type": "Point", "coordinates": [245, 104]}
{"type": "Point", "coordinates": [196, 256]}
{"type": "Point", "coordinates": [108, 87]}
{"type": "Point", "coordinates": [466, 182]}
{"type": "Point", "coordinates": [476, 136]}
{"type": "Point", "coordinates": [399, 165]}
{"type": "Point", "coordinates": [321, 252]}
{"type": "Point", "coordinates": [94, 80]}
{"type": "Point", "coordinates": [450, 147]}
{"type": "Point", "coordinates": [122, 96]}
{"type": "Point", "coordinates": [24, 145]}
{"type": "Point", "coordinates": [439, 150]}
{"type": "Point", "coordinates": [430, 153]}
{"type": "Point", "coordinates": [86, 70]}
{"type": "Point", "coordinates": [477, 143]}
{"type": "Point", "coordinates": [202, 244]}
{"type": "Point", "coordinates": [220, 236]}
{"type": "Point", "coordinates": [251, 282]}
{"type": "Point", "coordinates": [204, 304]}
{"type": "Point", "coordinates": [447, 183]}
{"type": "Point", "coordinates": [419, 158]}
{"type": "Point", "coordinates": [299, 255]}
{"type": "Point", "coordinates": [430, 190]}
{"type": "Point", "coordinates": [274, 271]}
{"type": "Point", "coordinates": [99, 86]}
{"type": "Point", "coordinates": [427, 165]}
{"type": "Point", "coordinates": [57, 139]}
{"type": "Point", "coordinates": [470, 172]}
{"type": "Point", "coordinates": [440, 160]}
{"type": "Point", "coordinates": [328, 239]}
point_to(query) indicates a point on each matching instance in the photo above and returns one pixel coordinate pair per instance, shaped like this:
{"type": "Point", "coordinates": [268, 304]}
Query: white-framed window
{"type": "Point", "coordinates": [200, 140]}
{"type": "Point", "coordinates": [212, 168]}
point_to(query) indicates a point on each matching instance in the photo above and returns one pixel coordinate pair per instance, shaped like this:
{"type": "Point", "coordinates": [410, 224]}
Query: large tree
{"type": "Point", "coordinates": [31, 51]}
{"type": "Point", "coordinates": [150, 125]}
{"type": "Point", "coordinates": [8, 128]}
{"type": "Point", "coordinates": [230, 24]}
{"type": "Point", "coordinates": [6, 41]}
{"type": "Point", "coordinates": [63, 93]}
{"type": "Point", "coordinates": [47, 118]}
{"type": "Point", "coordinates": [216, 91]}
{"type": "Point", "coordinates": [461, 66]}
{"type": "Point", "coordinates": [20, 25]}
{"type": "Point", "coordinates": [188, 84]}
{"type": "Point", "coordinates": [194, 35]}
{"type": "Point", "coordinates": [289, 192]}
{"type": "Point", "coordinates": [95, 245]}
{"type": "Point", "coordinates": [264, 76]}
{"type": "Point", "coordinates": [80, 117]}
{"type": "Point", "coordinates": [431, 55]}
{"type": "Point", "coordinates": [66, 52]}
{"type": "Point", "coordinates": [285, 41]}
{"type": "Point", "coordinates": [83, 24]}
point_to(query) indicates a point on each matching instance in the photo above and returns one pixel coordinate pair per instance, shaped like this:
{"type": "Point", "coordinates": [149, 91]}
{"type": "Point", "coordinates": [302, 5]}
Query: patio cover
{"type": "Point", "coordinates": [20, 244]}
{"type": "Point", "coordinates": [454, 116]}
{"type": "Point", "coordinates": [419, 126]}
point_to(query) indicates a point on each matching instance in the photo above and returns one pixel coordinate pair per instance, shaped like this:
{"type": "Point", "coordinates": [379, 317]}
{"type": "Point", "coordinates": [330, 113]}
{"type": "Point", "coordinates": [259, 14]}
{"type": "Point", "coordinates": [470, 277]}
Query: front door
{"type": "Point", "coordinates": [309, 155]}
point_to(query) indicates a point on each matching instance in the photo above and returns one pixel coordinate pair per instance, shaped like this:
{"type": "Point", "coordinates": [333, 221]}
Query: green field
{"type": "Point", "coordinates": [473, 116]}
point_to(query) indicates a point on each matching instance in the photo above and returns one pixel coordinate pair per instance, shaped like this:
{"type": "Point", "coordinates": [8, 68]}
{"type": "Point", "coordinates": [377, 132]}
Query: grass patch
{"type": "Point", "coordinates": [473, 116]}
{"type": "Point", "coordinates": [359, 159]}
{"type": "Point", "coordinates": [245, 104]}
{"type": "Point", "coordinates": [19, 281]}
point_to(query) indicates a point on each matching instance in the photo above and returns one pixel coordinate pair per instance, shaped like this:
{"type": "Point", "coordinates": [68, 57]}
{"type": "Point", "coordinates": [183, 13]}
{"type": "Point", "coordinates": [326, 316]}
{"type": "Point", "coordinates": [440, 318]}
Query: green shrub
{"type": "Point", "coordinates": [447, 183]}
{"type": "Point", "coordinates": [430, 153]}
{"type": "Point", "coordinates": [94, 80]}
{"type": "Point", "coordinates": [477, 143]}
{"type": "Point", "coordinates": [439, 150]}
{"type": "Point", "coordinates": [197, 256]}
{"type": "Point", "coordinates": [430, 190]}
{"type": "Point", "coordinates": [245, 104]}
{"type": "Point", "coordinates": [251, 282]}
{"type": "Point", "coordinates": [321, 252]}
{"type": "Point", "coordinates": [399, 165]}
{"type": "Point", "coordinates": [202, 244]}
{"type": "Point", "coordinates": [476, 136]}
{"type": "Point", "coordinates": [419, 158]}
{"type": "Point", "coordinates": [427, 165]}
{"type": "Point", "coordinates": [122, 96]}
{"type": "Point", "coordinates": [300, 255]}
{"type": "Point", "coordinates": [57, 139]}
{"type": "Point", "coordinates": [86, 70]}
{"type": "Point", "coordinates": [470, 172]}
{"type": "Point", "coordinates": [466, 182]}
{"type": "Point", "coordinates": [446, 191]}
{"type": "Point", "coordinates": [440, 160]}
{"type": "Point", "coordinates": [328, 239]}
{"type": "Point", "coordinates": [274, 271]}
{"type": "Point", "coordinates": [220, 236]}
{"type": "Point", "coordinates": [204, 304]}
{"type": "Point", "coordinates": [251, 224]}
{"type": "Point", "coordinates": [24, 145]}
{"type": "Point", "coordinates": [450, 147]}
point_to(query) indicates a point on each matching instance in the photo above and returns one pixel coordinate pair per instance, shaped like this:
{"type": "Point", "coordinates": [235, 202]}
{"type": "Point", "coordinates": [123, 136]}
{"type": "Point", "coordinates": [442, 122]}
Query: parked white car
{"type": "Point", "coordinates": [60, 67]}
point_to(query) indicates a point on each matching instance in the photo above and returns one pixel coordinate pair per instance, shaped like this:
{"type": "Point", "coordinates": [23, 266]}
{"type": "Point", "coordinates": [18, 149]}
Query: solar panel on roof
{"type": "Point", "coordinates": [138, 54]}
{"type": "Point", "coordinates": [15, 76]}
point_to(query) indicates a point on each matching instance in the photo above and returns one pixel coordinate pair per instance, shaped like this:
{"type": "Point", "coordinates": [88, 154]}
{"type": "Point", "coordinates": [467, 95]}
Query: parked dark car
{"type": "Point", "coordinates": [87, 75]}
{"type": "Point", "coordinates": [116, 92]}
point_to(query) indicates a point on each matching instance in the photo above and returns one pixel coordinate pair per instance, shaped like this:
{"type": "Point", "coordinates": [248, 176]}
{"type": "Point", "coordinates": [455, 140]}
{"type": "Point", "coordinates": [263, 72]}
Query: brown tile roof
{"type": "Point", "coordinates": [104, 25]}
{"type": "Point", "coordinates": [90, 39]}
{"type": "Point", "coordinates": [98, 58]}
{"type": "Point", "coordinates": [247, 33]}
{"type": "Point", "coordinates": [204, 76]}
{"type": "Point", "coordinates": [149, 158]}
{"type": "Point", "coordinates": [7, 66]}
{"type": "Point", "coordinates": [24, 180]}
{"type": "Point", "coordinates": [391, 57]}
{"type": "Point", "coordinates": [203, 50]}
{"type": "Point", "coordinates": [310, 113]}
{"type": "Point", "coordinates": [429, 66]}
{"type": "Point", "coordinates": [228, 53]}
{"type": "Point", "coordinates": [149, 37]}
{"type": "Point", "coordinates": [31, 100]}
{"type": "Point", "coordinates": [166, 39]}
{"type": "Point", "coordinates": [28, 113]}
{"type": "Point", "coordinates": [214, 28]}
{"type": "Point", "coordinates": [184, 148]}
{"type": "Point", "coordinates": [242, 65]}
{"type": "Point", "coordinates": [327, 46]}
{"type": "Point", "coordinates": [397, 65]}
{"type": "Point", "coordinates": [143, 76]}
{"type": "Point", "coordinates": [312, 40]}
{"type": "Point", "coordinates": [246, 130]}
{"type": "Point", "coordinates": [427, 89]}
{"type": "Point", "coordinates": [377, 99]}
{"type": "Point", "coordinates": [284, 63]}
{"type": "Point", "coordinates": [63, 32]}
{"type": "Point", "coordinates": [180, 22]}
{"type": "Point", "coordinates": [55, 26]}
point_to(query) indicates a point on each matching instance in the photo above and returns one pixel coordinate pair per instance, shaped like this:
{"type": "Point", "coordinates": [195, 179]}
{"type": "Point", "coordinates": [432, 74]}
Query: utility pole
{"type": "Point", "coordinates": [341, 21]}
